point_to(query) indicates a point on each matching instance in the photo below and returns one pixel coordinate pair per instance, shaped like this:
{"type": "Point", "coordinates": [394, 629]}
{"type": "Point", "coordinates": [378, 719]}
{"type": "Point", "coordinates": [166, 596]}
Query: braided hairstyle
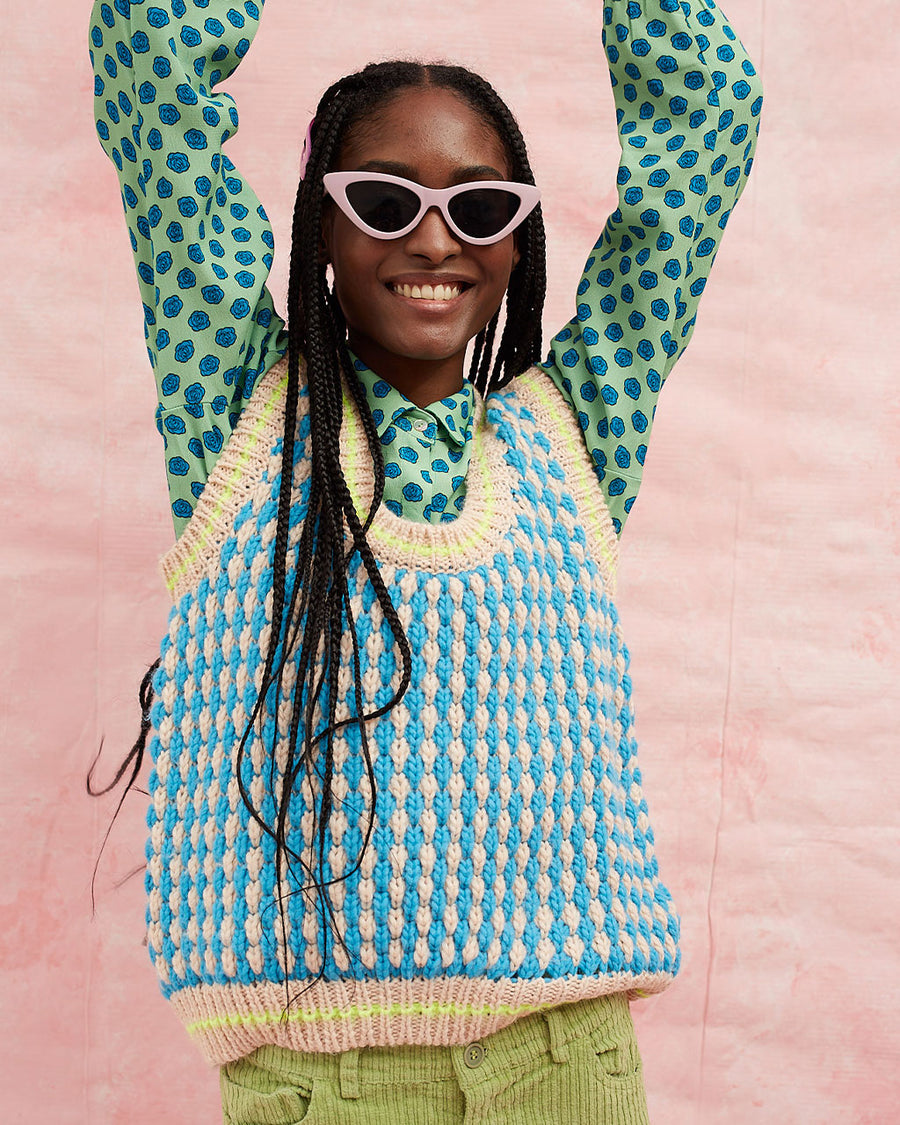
{"type": "Point", "coordinates": [315, 597]}
{"type": "Point", "coordinates": [313, 594]}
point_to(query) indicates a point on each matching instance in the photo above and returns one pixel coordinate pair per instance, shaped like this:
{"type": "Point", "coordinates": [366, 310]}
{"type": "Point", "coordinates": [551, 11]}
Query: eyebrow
{"type": "Point", "coordinates": [460, 176]}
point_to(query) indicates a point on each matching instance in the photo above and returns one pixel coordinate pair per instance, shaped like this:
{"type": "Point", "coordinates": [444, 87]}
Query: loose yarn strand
{"type": "Point", "coordinates": [134, 758]}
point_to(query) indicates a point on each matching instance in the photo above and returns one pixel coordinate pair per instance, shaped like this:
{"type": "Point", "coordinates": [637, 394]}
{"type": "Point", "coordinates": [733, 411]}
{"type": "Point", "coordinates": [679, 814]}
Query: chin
{"type": "Point", "coordinates": [429, 349]}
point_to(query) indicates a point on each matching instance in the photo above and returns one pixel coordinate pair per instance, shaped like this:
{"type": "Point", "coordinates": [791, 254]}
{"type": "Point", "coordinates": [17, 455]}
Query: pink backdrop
{"type": "Point", "coordinates": [758, 585]}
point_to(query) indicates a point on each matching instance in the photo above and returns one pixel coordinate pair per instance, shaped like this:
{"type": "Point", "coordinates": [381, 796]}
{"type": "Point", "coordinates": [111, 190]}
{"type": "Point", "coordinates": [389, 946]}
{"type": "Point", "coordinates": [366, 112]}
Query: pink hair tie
{"type": "Point", "coordinates": [307, 148]}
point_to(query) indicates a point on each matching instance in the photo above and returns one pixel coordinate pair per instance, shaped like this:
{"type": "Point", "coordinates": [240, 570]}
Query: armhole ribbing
{"type": "Point", "coordinates": [539, 394]}
{"type": "Point", "coordinates": [234, 479]}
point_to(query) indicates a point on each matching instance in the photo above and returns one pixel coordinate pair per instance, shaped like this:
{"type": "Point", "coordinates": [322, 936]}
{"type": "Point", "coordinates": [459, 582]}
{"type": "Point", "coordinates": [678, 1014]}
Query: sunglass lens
{"type": "Point", "coordinates": [384, 207]}
{"type": "Point", "coordinates": [484, 212]}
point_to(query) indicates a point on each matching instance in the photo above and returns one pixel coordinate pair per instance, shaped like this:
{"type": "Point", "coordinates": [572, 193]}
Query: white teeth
{"type": "Point", "coordinates": [426, 293]}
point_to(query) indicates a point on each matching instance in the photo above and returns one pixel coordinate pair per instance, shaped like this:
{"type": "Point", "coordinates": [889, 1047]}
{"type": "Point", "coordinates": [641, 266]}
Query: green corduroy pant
{"type": "Point", "coordinates": [577, 1064]}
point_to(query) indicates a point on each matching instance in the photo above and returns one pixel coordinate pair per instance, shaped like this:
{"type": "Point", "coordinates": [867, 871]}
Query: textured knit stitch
{"type": "Point", "coordinates": [511, 866]}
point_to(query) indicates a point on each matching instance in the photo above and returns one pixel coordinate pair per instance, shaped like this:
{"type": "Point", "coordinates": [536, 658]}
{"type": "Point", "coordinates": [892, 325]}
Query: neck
{"type": "Point", "coordinates": [423, 381]}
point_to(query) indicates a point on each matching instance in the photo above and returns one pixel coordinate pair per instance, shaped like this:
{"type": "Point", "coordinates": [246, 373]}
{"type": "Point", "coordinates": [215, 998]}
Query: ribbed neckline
{"type": "Point", "coordinates": [471, 540]}
{"type": "Point", "coordinates": [452, 545]}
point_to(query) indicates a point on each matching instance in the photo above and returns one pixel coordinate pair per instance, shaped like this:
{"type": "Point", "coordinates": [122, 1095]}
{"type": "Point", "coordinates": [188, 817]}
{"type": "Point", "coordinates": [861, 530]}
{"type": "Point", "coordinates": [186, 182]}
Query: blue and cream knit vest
{"type": "Point", "coordinates": [511, 864]}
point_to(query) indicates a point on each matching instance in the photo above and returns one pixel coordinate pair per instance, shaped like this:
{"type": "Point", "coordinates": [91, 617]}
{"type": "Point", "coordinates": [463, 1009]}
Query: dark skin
{"type": "Point", "coordinates": [432, 136]}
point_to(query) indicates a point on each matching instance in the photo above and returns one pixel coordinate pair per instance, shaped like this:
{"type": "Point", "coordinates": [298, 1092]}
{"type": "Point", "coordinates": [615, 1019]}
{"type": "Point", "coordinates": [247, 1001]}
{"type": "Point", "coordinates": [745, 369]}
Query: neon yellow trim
{"type": "Point", "coordinates": [202, 536]}
{"type": "Point", "coordinates": [391, 538]}
{"type": "Point", "coordinates": [576, 453]}
{"type": "Point", "coordinates": [353, 446]}
{"type": "Point", "coordinates": [365, 1011]}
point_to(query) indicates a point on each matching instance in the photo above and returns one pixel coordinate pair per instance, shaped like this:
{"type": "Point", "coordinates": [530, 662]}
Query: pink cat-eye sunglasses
{"type": "Point", "coordinates": [481, 212]}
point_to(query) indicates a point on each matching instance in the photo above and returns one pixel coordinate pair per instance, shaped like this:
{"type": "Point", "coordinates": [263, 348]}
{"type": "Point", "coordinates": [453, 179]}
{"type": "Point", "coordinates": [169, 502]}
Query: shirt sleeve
{"type": "Point", "coordinates": [202, 242]}
{"type": "Point", "coordinates": [687, 106]}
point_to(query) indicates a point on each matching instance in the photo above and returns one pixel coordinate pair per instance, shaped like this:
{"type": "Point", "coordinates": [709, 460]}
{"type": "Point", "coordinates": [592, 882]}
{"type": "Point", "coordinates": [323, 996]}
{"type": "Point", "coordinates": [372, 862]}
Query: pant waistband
{"type": "Point", "coordinates": [549, 1031]}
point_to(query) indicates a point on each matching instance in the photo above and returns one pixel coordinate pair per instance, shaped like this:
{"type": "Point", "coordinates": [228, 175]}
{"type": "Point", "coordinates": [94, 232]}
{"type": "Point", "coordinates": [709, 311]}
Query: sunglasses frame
{"type": "Point", "coordinates": [336, 184]}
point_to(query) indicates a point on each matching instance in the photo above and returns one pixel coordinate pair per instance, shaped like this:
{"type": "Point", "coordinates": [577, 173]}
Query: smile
{"type": "Point", "coordinates": [428, 292]}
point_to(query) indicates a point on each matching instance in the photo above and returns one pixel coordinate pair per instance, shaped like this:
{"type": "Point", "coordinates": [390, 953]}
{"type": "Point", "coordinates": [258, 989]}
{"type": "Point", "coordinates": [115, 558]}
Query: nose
{"type": "Point", "coordinates": [432, 238]}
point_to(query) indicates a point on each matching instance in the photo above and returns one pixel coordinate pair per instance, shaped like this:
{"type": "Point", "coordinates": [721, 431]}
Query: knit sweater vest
{"type": "Point", "coordinates": [511, 865]}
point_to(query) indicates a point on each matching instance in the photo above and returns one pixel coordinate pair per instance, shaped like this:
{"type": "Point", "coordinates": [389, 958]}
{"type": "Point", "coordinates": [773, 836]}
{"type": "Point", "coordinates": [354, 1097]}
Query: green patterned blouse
{"type": "Point", "coordinates": [426, 449]}
{"type": "Point", "coordinates": [687, 108]}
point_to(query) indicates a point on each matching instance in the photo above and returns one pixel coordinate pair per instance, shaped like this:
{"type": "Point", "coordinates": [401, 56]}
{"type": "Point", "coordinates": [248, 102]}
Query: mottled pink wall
{"type": "Point", "coordinates": [758, 587]}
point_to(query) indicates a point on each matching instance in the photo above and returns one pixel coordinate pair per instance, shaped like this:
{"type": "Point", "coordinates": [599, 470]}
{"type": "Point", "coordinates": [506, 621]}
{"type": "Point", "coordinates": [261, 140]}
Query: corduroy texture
{"type": "Point", "coordinates": [511, 866]}
{"type": "Point", "coordinates": [577, 1064]}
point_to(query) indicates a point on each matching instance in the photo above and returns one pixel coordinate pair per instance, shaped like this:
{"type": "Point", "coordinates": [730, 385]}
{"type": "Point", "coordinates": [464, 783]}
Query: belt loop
{"type": "Point", "coordinates": [559, 1048]}
{"type": "Point", "coordinates": [348, 1072]}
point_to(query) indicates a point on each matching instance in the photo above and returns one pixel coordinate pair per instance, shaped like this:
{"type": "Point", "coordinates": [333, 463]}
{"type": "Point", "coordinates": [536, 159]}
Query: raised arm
{"type": "Point", "coordinates": [202, 242]}
{"type": "Point", "coordinates": [687, 106]}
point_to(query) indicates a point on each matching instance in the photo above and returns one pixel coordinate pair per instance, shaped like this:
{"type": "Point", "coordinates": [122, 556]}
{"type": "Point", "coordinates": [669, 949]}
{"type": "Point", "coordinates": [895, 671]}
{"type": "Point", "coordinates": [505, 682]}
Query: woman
{"type": "Point", "coordinates": [399, 860]}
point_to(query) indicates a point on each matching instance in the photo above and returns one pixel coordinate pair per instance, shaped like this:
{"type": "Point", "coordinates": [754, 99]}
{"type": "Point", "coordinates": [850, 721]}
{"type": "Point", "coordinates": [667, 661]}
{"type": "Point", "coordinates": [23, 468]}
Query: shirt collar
{"type": "Point", "coordinates": [453, 415]}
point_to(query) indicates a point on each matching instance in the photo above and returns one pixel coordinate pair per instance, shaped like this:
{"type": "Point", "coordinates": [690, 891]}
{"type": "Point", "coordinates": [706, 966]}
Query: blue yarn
{"type": "Point", "coordinates": [551, 777]}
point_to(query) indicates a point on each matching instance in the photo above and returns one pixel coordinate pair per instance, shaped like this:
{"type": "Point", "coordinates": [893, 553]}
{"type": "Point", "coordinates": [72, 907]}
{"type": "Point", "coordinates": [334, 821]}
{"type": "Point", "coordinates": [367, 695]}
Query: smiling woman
{"type": "Point", "coordinates": [400, 865]}
{"type": "Point", "coordinates": [431, 136]}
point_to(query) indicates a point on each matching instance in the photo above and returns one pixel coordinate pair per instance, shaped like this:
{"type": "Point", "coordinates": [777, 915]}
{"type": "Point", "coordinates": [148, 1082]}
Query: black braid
{"type": "Point", "coordinates": [317, 330]}
{"type": "Point", "coordinates": [312, 594]}
{"type": "Point", "coordinates": [520, 344]}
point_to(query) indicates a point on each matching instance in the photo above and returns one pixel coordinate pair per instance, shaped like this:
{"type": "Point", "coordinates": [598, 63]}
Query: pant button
{"type": "Point", "coordinates": [473, 1056]}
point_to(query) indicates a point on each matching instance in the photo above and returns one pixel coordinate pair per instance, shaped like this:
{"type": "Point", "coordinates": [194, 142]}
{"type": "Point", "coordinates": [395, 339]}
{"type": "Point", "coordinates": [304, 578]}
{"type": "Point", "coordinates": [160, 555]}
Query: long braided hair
{"type": "Point", "coordinates": [319, 590]}
{"type": "Point", "coordinates": [313, 595]}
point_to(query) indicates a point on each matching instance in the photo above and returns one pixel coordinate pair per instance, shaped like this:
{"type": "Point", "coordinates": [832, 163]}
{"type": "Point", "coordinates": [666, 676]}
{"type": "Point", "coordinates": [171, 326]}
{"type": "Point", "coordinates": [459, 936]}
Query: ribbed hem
{"type": "Point", "coordinates": [229, 1021]}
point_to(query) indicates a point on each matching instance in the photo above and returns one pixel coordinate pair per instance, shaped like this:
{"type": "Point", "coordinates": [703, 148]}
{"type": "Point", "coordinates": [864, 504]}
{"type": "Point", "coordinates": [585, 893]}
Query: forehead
{"type": "Point", "coordinates": [430, 130]}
